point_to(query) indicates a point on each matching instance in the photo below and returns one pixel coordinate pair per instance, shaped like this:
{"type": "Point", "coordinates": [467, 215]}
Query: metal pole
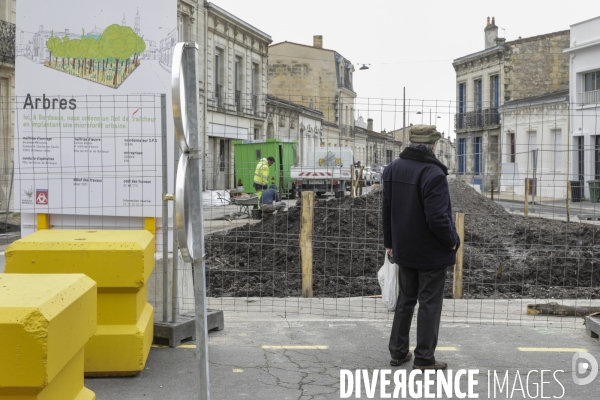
{"type": "Point", "coordinates": [165, 208]}
{"type": "Point", "coordinates": [404, 117]}
{"type": "Point", "coordinates": [174, 274]}
{"type": "Point", "coordinates": [12, 179]}
{"type": "Point", "coordinates": [190, 71]}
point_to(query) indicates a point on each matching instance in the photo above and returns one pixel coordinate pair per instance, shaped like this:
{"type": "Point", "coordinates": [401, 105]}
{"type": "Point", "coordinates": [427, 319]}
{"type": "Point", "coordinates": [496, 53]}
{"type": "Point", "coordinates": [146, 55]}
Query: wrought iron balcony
{"type": "Point", "coordinates": [477, 119]}
{"type": "Point", "coordinates": [7, 42]}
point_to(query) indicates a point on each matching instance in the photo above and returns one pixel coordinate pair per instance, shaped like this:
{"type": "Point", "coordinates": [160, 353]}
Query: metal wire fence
{"type": "Point", "coordinates": [518, 174]}
{"type": "Point", "coordinates": [525, 178]}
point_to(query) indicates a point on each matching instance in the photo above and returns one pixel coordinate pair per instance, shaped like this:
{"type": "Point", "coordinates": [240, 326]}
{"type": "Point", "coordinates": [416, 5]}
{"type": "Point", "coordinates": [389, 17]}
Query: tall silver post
{"type": "Point", "coordinates": [165, 208]}
{"type": "Point", "coordinates": [175, 272]}
{"type": "Point", "coordinates": [190, 71]}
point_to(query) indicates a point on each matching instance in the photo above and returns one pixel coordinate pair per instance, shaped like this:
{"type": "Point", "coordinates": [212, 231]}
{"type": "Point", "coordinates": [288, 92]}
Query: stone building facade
{"type": "Point", "coordinates": [316, 78]}
{"type": "Point", "coordinates": [291, 121]}
{"type": "Point", "coordinates": [233, 84]}
{"type": "Point", "coordinates": [536, 131]}
{"type": "Point", "coordinates": [584, 89]}
{"type": "Point", "coordinates": [502, 72]}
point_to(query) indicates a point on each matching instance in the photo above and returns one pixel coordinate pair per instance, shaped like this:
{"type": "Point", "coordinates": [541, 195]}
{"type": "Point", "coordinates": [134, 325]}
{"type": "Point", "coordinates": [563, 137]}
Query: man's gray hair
{"type": "Point", "coordinates": [422, 146]}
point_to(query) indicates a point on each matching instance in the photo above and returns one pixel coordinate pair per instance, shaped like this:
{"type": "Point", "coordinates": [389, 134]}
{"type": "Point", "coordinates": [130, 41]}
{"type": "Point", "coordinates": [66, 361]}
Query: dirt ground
{"type": "Point", "coordinates": [505, 256]}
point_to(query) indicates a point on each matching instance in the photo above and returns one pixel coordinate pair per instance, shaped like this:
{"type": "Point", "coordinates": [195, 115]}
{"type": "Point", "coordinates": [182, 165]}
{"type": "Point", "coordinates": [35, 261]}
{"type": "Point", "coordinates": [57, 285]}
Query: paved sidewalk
{"type": "Point", "coordinates": [262, 355]}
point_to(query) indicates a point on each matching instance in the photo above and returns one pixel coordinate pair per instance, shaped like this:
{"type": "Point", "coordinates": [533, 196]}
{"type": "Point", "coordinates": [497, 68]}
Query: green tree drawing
{"type": "Point", "coordinates": [73, 50]}
{"type": "Point", "coordinates": [118, 42]}
{"type": "Point", "coordinates": [112, 52]}
{"type": "Point", "coordinates": [52, 43]}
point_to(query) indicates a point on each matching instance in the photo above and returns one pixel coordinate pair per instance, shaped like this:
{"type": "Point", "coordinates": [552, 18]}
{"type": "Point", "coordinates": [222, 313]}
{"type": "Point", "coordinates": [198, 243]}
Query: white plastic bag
{"type": "Point", "coordinates": [388, 280]}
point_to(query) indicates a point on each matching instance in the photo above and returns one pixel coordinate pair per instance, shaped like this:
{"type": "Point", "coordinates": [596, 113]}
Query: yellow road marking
{"type": "Point", "coordinates": [553, 349]}
{"type": "Point", "coordinates": [296, 347]}
{"type": "Point", "coordinates": [238, 370]}
{"type": "Point", "coordinates": [187, 346]}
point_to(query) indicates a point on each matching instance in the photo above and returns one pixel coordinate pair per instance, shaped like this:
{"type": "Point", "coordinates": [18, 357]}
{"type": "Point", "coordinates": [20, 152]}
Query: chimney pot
{"type": "Point", "coordinates": [318, 41]}
{"type": "Point", "coordinates": [370, 124]}
{"type": "Point", "coordinates": [493, 20]}
{"type": "Point", "coordinates": [41, 28]}
{"type": "Point", "coordinates": [488, 21]}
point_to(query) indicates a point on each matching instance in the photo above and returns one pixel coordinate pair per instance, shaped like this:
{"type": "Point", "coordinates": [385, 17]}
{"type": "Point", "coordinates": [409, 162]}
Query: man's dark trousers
{"type": "Point", "coordinates": [426, 286]}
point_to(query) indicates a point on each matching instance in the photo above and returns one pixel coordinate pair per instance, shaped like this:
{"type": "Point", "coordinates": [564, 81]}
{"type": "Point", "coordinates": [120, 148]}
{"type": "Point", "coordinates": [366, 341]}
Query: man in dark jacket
{"type": "Point", "coordinates": [270, 201]}
{"type": "Point", "coordinates": [419, 234]}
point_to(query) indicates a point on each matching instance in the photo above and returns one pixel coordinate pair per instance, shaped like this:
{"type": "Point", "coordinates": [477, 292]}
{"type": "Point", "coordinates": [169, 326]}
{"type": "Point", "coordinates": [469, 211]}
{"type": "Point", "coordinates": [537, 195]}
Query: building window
{"type": "Point", "coordinates": [591, 88]}
{"type": "Point", "coordinates": [477, 154]}
{"type": "Point", "coordinates": [597, 158]}
{"type": "Point", "coordinates": [180, 28]}
{"type": "Point", "coordinates": [558, 150]}
{"type": "Point", "coordinates": [219, 76]}
{"type": "Point", "coordinates": [460, 122]}
{"type": "Point", "coordinates": [462, 156]}
{"type": "Point", "coordinates": [512, 149]}
{"type": "Point", "coordinates": [580, 159]}
{"type": "Point", "coordinates": [238, 83]}
{"type": "Point", "coordinates": [478, 96]}
{"type": "Point", "coordinates": [255, 87]}
{"type": "Point", "coordinates": [533, 149]}
{"type": "Point", "coordinates": [494, 91]}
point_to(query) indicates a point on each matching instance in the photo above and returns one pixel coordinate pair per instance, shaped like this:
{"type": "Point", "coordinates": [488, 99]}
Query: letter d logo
{"type": "Point", "coordinates": [580, 368]}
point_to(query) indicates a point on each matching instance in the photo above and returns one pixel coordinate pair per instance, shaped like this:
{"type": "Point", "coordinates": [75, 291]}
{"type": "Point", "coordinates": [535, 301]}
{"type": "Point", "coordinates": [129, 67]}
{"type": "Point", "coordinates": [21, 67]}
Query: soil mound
{"type": "Point", "coordinates": [505, 255]}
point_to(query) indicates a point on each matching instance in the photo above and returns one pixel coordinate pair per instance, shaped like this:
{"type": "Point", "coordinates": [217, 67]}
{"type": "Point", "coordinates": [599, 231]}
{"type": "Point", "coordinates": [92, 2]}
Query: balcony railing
{"type": "Point", "coordinates": [7, 42]}
{"type": "Point", "coordinates": [591, 97]}
{"type": "Point", "coordinates": [238, 100]}
{"type": "Point", "coordinates": [477, 119]}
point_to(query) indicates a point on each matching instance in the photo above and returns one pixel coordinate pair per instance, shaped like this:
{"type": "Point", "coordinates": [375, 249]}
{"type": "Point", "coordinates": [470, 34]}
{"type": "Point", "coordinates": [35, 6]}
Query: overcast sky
{"type": "Point", "coordinates": [408, 43]}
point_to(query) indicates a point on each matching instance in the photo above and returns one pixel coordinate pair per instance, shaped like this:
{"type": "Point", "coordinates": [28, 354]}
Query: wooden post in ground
{"type": "Point", "coordinates": [526, 208]}
{"type": "Point", "coordinates": [352, 193]}
{"type": "Point", "coordinates": [359, 182]}
{"type": "Point", "coordinates": [568, 201]}
{"type": "Point", "coordinates": [457, 286]}
{"type": "Point", "coordinates": [306, 250]}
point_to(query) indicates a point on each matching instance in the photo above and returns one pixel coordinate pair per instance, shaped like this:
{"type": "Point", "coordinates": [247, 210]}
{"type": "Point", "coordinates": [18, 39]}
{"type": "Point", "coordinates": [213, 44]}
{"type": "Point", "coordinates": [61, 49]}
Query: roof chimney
{"type": "Point", "coordinates": [318, 41]}
{"type": "Point", "coordinates": [488, 22]}
{"type": "Point", "coordinates": [41, 28]}
{"type": "Point", "coordinates": [370, 124]}
{"type": "Point", "coordinates": [491, 33]}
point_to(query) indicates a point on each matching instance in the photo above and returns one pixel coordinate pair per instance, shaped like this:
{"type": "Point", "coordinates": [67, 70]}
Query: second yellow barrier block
{"type": "Point", "coordinates": [120, 261]}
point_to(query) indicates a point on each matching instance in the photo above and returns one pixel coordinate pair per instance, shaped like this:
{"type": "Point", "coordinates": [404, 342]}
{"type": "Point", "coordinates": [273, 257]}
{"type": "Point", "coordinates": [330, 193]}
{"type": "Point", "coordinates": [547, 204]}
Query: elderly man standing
{"type": "Point", "coordinates": [419, 234]}
{"type": "Point", "coordinates": [261, 176]}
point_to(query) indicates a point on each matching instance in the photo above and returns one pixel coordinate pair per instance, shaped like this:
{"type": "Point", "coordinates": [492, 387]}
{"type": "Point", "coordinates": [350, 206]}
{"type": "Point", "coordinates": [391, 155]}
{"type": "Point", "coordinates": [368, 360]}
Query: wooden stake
{"type": "Point", "coordinates": [457, 287]}
{"type": "Point", "coordinates": [306, 250]}
{"type": "Point", "coordinates": [352, 193]}
{"type": "Point", "coordinates": [526, 209]}
{"type": "Point", "coordinates": [568, 201]}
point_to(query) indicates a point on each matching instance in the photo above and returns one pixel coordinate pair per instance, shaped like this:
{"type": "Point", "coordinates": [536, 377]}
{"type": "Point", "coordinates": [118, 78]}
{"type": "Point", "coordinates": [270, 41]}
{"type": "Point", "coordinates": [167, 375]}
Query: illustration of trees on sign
{"type": "Point", "coordinates": [108, 59]}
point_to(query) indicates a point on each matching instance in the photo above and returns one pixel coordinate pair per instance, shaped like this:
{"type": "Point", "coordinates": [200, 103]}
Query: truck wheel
{"type": "Point", "coordinates": [293, 192]}
{"type": "Point", "coordinates": [339, 194]}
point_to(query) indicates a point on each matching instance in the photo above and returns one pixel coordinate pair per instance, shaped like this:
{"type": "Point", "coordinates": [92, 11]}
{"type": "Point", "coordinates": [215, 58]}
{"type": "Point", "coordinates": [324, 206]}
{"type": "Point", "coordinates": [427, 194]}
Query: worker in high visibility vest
{"type": "Point", "coordinates": [261, 176]}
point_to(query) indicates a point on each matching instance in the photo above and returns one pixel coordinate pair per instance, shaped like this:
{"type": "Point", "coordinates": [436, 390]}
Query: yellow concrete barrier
{"type": "Point", "coordinates": [120, 262]}
{"type": "Point", "coordinates": [45, 322]}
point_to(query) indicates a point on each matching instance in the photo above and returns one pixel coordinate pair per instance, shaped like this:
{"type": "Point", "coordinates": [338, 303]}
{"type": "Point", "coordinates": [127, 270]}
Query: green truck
{"type": "Point", "coordinates": [247, 153]}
